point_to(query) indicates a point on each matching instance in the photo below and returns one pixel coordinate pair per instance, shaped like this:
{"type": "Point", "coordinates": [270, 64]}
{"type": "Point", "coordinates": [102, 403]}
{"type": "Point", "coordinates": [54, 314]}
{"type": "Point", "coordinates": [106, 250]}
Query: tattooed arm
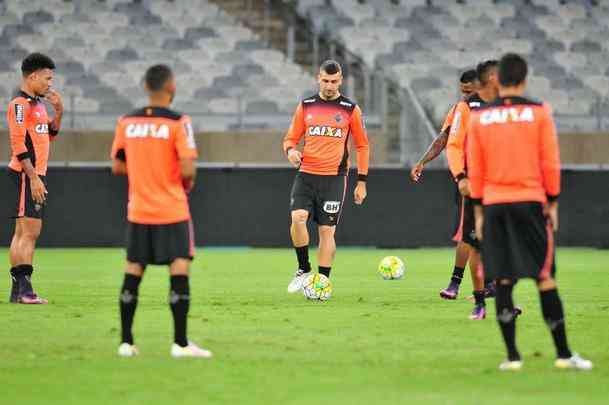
{"type": "Point", "coordinates": [434, 150]}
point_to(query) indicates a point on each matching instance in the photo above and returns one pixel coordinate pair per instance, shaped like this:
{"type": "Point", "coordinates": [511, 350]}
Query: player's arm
{"type": "Point", "coordinates": [550, 165]}
{"type": "Point", "coordinates": [118, 155]}
{"type": "Point", "coordinates": [293, 137]}
{"type": "Point", "coordinates": [455, 147]}
{"type": "Point", "coordinates": [17, 113]}
{"type": "Point", "coordinates": [54, 98]}
{"type": "Point", "coordinates": [476, 171]}
{"type": "Point", "coordinates": [186, 148]}
{"type": "Point", "coordinates": [433, 151]}
{"type": "Point", "coordinates": [362, 147]}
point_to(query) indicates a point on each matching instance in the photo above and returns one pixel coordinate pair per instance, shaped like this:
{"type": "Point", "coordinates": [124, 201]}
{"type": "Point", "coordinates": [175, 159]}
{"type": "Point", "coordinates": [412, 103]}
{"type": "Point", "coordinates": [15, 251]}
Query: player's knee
{"type": "Point", "coordinates": [300, 216]}
{"type": "Point", "coordinates": [326, 233]}
{"type": "Point", "coordinates": [546, 284]}
{"type": "Point", "coordinates": [30, 234]}
{"type": "Point", "coordinates": [180, 267]}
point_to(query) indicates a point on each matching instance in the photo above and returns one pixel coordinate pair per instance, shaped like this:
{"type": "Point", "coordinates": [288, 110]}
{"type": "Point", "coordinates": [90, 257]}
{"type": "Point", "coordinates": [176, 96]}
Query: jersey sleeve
{"type": "Point", "coordinates": [455, 148]}
{"type": "Point", "coordinates": [550, 155]}
{"type": "Point", "coordinates": [17, 113]}
{"type": "Point", "coordinates": [185, 139]}
{"type": "Point", "coordinates": [360, 139]}
{"type": "Point", "coordinates": [118, 144]}
{"type": "Point", "coordinates": [296, 130]}
{"type": "Point", "coordinates": [475, 161]}
{"type": "Point", "coordinates": [448, 120]}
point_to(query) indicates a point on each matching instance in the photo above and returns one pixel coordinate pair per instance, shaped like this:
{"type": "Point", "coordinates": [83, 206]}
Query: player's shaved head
{"type": "Point", "coordinates": [485, 69]}
{"type": "Point", "coordinates": [157, 77]}
{"type": "Point", "coordinates": [330, 67]}
{"type": "Point", "coordinates": [512, 70]}
{"type": "Point", "coordinates": [35, 62]}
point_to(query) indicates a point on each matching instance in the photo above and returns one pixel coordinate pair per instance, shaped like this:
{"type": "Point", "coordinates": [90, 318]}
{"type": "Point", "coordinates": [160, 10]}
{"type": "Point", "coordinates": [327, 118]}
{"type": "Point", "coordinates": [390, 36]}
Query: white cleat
{"type": "Point", "coordinates": [575, 362]}
{"type": "Point", "coordinates": [127, 350]}
{"type": "Point", "coordinates": [511, 365]}
{"type": "Point", "coordinates": [191, 350]}
{"type": "Point", "coordinates": [297, 282]}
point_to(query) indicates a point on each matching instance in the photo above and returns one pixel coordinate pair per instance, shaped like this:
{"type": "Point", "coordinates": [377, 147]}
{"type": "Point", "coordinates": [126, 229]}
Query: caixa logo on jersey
{"type": "Point", "coordinates": [42, 129]}
{"type": "Point", "coordinates": [141, 130]}
{"type": "Point", "coordinates": [319, 130]}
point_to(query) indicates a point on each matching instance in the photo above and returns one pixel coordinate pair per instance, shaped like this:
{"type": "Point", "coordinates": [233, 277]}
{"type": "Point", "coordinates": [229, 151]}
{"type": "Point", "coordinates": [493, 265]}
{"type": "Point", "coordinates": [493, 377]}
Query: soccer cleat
{"type": "Point", "coordinates": [575, 362]}
{"type": "Point", "coordinates": [31, 299]}
{"type": "Point", "coordinates": [450, 292]}
{"type": "Point", "coordinates": [296, 283]}
{"type": "Point", "coordinates": [127, 350]}
{"type": "Point", "coordinates": [191, 350]}
{"type": "Point", "coordinates": [517, 311]}
{"type": "Point", "coordinates": [479, 313]}
{"type": "Point", "coordinates": [511, 365]}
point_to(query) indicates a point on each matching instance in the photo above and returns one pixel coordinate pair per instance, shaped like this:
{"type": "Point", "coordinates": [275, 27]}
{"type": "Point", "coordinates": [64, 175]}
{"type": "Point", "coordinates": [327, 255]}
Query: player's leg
{"type": "Point", "coordinates": [14, 258]}
{"type": "Point", "coordinates": [23, 254]}
{"type": "Point", "coordinates": [327, 249]}
{"type": "Point", "coordinates": [506, 318]}
{"type": "Point", "coordinates": [179, 302]}
{"type": "Point", "coordinates": [475, 267]}
{"type": "Point", "coordinates": [128, 304]}
{"type": "Point", "coordinates": [461, 259]}
{"type": "Point", "coordinates": [301, 202]}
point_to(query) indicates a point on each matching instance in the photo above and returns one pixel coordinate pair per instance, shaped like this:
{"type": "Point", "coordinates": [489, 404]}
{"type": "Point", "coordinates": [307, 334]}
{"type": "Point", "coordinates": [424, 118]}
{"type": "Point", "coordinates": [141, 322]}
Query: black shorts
{"type": "Point", "coordinates": [24, 204]}
{"type": "Point", "coordinates": [465, 223]}
{"type": "Point", "coordinates": [160, 244]}
{"type": "Point", "coordinates": [518, 242]}
{"type": "Point", "coordinates": [321, 196]}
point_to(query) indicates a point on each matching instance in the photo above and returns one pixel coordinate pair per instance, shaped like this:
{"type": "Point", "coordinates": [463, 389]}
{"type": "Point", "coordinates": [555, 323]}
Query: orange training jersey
{"type": "Point", "coordinates": [457, 139]}
{"type": "Point", "coordinates": [448, 121]}
{"type": "Point", "coordinates": [513, 152]}
{"type": "Point", "coordinates": [326, 126]}
{"type": "Point", "coordinates": [153, 140]}
{"type": "Point", "coordinates": [29, 132]}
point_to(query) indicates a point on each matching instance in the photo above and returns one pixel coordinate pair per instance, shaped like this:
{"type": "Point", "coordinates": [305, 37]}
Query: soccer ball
{"type": "Point", "coordinates": [391, 268]}
{"type": "Point", "coordinates": [317, 287]}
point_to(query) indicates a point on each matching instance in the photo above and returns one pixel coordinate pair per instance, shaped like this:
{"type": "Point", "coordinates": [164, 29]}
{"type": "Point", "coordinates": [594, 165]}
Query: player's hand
{"type": "Point", "coordinates": [54, 98]}
{"type": "Point", "coordinates": [550, 210]}
{"type": "Point", "coordinates": [360, 193]}
{"type": "Point", "coordinates": [479, 221]}
{"type": "Point", "coordinates": [416, 172]}
{"type": "Point", "coordinates": [39, 191]}
{"type": "Point", "coordinates": [295, 157]}
{"type": "Point", "coordinates": [464, 187]}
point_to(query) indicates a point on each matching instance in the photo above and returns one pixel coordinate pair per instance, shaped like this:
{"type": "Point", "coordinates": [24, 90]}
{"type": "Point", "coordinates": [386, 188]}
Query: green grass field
{"type": "Point", "coordinates": [374, 342]}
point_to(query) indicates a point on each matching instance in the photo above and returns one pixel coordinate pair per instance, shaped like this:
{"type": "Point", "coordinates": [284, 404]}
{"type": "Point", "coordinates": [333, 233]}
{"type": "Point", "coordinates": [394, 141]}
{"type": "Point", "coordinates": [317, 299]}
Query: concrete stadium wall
{"type": "Point", "coordinates": [250, 207]}
{"type": "Point", "coordinates": [242, 147]}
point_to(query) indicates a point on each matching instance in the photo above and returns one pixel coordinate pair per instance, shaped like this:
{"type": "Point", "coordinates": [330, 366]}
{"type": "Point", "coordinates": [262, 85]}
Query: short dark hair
{"type": "Point", "coordinates": [157, 76]}
{"type": "Point", "coordinates": [469, 76]}
{"type": "Point", "coordinates": [331, 67]}
{"type": "Point", "coordinates": [512, 70]}
{"type": "Point", "coordinates": [484, 68]}
{"type": "Point", "coordinates": [35, 62]}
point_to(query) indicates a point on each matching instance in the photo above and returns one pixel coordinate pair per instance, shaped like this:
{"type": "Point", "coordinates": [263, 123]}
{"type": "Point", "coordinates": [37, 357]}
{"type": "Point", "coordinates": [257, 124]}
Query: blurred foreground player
{"type": "Point", "coordinates": [514, 172]}
{"type": "Point", "coordinates": [154, 146]}
{"type": "Point", "coordinates": [31, 131]}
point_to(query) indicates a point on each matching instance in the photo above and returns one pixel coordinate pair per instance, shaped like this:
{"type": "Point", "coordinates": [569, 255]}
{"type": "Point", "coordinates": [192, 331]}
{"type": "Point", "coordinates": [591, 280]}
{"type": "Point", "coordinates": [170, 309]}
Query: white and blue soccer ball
{"type": "Point", "coordinates": [391, 268]}
{"type": "Point", "coordinates": [317, 287]}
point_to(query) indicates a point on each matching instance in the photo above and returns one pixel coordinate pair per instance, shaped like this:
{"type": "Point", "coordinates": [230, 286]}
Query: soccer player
{"type": "Point", "coordinates": [514, 172]}
{"type": "Point", "coordinates": [31, 131]}
{"type": "Point", "coordinates": [326, 121]}
{"type": "Point", "coordinates": [467, 85]}
{"type": "Point", "coordinates": [155, 147]}
{"type": "Point", "coordinates": [457, 163]}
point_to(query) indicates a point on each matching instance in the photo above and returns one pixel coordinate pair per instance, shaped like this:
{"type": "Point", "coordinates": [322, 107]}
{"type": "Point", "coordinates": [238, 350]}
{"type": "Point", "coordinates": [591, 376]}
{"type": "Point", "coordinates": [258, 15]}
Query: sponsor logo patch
{"type": "Point", "coordinates": [190, 136]}
{"type": "Point", "coordinates": [325, 131]}
{"type": "Point", "coordinates": [332, 207]}
{"type": "Point", "coordinates": [19, 113]}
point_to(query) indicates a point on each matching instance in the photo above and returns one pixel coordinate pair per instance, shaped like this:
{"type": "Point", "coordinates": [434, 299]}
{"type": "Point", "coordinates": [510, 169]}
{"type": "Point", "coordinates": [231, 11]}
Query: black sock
{"type": "Point", "coordinates": [14, 284]}
{"type": "Point", "coordinates": [128, 304]}
{"type": "Point", "coordinates": [551, 308]}
{"type": "Point", "coordinates": [23, 273]}
{"type": "Point", "coordinates": [479, 297]}
{"type": "Point", "coordinates": [324, 270]}
{"type": "Point", "coordinates": [179, 301]}
{"type": "Point", "coordinates": [457, 275]}
{"type": "Point", "coordinates": [302, 254]}
{"type": "Point", "coordinates": [506, 319]}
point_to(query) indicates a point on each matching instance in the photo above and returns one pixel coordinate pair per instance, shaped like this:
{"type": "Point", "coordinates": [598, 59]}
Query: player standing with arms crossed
{"type": "Point", "coordinates": [514, 172]}
{"type": "Point", "coordinates": [326, 121]}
